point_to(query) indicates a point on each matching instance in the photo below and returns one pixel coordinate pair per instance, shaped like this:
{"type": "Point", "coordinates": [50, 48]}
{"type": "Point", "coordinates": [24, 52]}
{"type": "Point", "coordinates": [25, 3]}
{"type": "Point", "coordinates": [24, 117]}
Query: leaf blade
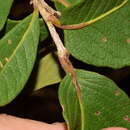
{"type": "Point", "coordinates": [103, 103]}
{"type": "Point", "coordinates": [88, 12]}
{"type": "Point", "coordinates": [4, 11]}
{"type": "Point", "coordinates": [17, 57]}
{"type": "Point", "coordinates": [104, 43]}
{"type": "Point", "coordinates": [43, 30]}
{"type": "Point", "coordinates": [49, 71]}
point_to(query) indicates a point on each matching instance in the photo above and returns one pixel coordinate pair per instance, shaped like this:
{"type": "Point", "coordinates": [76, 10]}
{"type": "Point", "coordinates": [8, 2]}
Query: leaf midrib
{"type": "Point", "coordinates": [107, 13]}
{"type": "Point", "coordinates": [20, 43]}
{"type": "Point", "coordinates": [83, 23]}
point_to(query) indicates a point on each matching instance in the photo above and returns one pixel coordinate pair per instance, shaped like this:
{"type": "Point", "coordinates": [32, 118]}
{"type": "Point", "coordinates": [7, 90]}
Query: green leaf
{"type": "Point", "coordinates": [4, 11]}
{"type": "Point", "coordinates": [17, 56]}
{"type": "Point", "coordinates": [104, 43]}
{"type": "Point", "coordinates": [49, 71]}
{"type": "Point", "coordinates": [10, 24]}
{"type": "Point", "coordinates": [61, 7]}
{"type": "Point", "coordinates": [89, 11]}
{"type": "Point", "coordinates": [69, 1]}
{"type": "Point", "coordinates": [43, 30]}
{"type": "Point", "coordinates": [102, 104]}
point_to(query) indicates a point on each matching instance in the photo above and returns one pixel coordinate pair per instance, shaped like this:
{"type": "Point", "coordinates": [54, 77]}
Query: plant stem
{"type": "Point", "coordinates": [63, 55]}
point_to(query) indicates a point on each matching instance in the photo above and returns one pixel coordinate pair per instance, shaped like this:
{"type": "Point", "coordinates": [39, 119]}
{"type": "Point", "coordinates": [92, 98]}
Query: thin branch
{"type": "Point", "coordinates": [63, 55]}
